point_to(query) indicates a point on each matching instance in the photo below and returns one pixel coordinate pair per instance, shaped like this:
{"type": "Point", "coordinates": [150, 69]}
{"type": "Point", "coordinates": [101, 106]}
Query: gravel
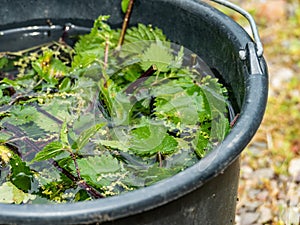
{"type": "Point", "coordinates": [267, 198]}
{"type": "Point", "coordinates": [294, 169]}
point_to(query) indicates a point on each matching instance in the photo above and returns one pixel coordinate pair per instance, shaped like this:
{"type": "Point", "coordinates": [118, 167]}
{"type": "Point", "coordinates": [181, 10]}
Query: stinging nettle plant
{"type": "Point", "coordinates": [117, 111]}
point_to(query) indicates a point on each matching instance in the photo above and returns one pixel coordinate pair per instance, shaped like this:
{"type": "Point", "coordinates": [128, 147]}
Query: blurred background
{"type": "Point", "coordinates": [269, 190]}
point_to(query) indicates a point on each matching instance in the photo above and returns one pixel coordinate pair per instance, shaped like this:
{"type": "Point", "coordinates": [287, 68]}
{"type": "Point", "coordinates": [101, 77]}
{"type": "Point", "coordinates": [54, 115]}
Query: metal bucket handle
{"type": "Point", "coordinates": [253, 53]}
{"type": "Point", "coordinates": [252, 23]}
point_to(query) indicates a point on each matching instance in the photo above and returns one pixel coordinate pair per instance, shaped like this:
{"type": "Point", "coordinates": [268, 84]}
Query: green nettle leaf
{"type": "Point", "coordinates": [21, 173]}
{"type": "Point", "coordinates": [87, 134]}
{"type": "Point", "coordinates": [142, 33]}
{"type": "Point", "coordinates": [61, 109]}
{"type": "Point", "coordinates": [10, 82]}
{"type": "Point", "coordinates": [176, 103]}
{"type": "Point", "coordinates": [180, 109]}
{"type": "Point", "coordinates": [46, 123]}
{"type": "Point", "coordinates": [124, 5]}
{"type": "Point", "coordinates": [9, 193]}
{"type": "Point", "coordinates": [4, 137]}
{"type": "Point", "coordinates": [179, 58]}
{"type": "Point", "coordinates": [91, 47]}
{"type": "Point", "coordinates": [201, 144]}
{"type": "Point", "coordinates": [65, 85]}
{"type": "Point", "coordinates": [64, 134]}
{"type": "Point", "coordinates": [158, 55]}
{"type": "Point", "coordinates": [56, 191]}
{"type": "Point", "coordinates": [3, 62]}
{"type": "Point", "coordinates": [152, 139]}
{"type": "Point", "coordinates": [156, 173]}
{"type": "Point", "coordinates": [114, 144]}
{"type": "Point", "coordinates": [92, 167]}
{"type": "Point", "coordinates": [20, 115]}
{"type": "Point", "coordinates": [88, 57]}
{"type": "Point", "coordinates": [50, 68]}
{"type": "Point", "coordinates": [214, 94]}
{"type": "Point", "coordinates": [50, 151]}
{"type": "Point", "coordinates": [221, 126]}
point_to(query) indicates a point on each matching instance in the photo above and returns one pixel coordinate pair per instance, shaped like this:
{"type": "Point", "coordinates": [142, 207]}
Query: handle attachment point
{"type": "Point", "coordinates": [254, 64]}
{"type": "Point", "coordinates": [252, 23]}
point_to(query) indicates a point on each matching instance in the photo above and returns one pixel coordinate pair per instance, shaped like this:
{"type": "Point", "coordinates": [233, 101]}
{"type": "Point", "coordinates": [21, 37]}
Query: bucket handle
{"type": "Point", "coordinates": [252, 23]}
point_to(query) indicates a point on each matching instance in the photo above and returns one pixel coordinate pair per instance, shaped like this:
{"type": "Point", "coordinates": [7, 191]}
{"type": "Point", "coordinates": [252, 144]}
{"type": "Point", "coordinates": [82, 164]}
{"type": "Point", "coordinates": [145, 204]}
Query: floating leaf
{"type": "Point", "coordinates": [50, 151]}
{"type": "Point", "coordinates": [124, 5]}
{"type": "Point", "coordinates": [156, 173]}
{"type": "Point", "coordinates": [3, 62]}
{"type": "Point", "coordinates": [65, 85]}
{"type": "Point", "coordinates": [4, 136]}
{"type": "Point", "coordinates": [21, 173]}
{"type": "Point", "coordinates": [201, 144]}
{"type": "Point", "coordinates": [142, 32]}
{"type": "Point", "coordinates": [64, 134]}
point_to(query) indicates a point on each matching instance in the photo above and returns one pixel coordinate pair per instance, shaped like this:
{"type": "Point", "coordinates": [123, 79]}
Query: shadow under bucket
{"type": "Point", "coordinates": [205, 193]}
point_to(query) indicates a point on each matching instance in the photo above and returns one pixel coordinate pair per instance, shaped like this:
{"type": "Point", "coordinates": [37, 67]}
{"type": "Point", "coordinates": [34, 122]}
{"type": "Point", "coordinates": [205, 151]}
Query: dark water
{"type": "Point", "coordinates": [34, 139]}
{"type": "Point", "coordinates": [19, 38]}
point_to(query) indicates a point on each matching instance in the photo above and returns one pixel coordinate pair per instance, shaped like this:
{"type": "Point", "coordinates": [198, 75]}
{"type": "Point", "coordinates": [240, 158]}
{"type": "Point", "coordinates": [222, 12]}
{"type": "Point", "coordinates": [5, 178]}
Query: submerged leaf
{"type": "Point", "coordinates": [156, 173]}
{"type": "Point", "coordinates": [115, 144]}
{"type": "Point", "coordinates": [46, 123]}
{"type": "Point", "coordinates": [151, 139]}
{"type": "Point", "coordinates": [158, 55]}
{"type": "Point", "coordinates": [9, 193]}
{"type": "Point", "coordinates": [87, 134]}
{"type": "Point", "coordinates": [20, 115]}
{"type": "Point", "coordinates": [92, 167]}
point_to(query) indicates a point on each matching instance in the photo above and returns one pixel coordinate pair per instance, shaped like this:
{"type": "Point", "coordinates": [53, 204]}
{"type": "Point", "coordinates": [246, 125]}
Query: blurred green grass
{"type": "Point", "coordinates": [280, 34]}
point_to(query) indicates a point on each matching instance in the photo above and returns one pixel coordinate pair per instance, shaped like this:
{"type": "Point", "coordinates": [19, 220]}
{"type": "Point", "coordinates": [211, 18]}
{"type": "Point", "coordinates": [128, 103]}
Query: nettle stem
{"type": "Point", "coordinates": [81, 183]}
{"type": "Point", "coordinates": [73, 156]}
{"type": "Point", "coordinates": [106, 53]}
{"type": "Point", "coordinates": [160, 159]}
{"type": "Point", "coordinates": [125, 23]}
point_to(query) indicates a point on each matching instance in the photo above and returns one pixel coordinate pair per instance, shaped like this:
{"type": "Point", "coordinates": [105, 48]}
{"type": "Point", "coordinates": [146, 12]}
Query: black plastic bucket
{"type": "Point", "coordinates": [205, 193]}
